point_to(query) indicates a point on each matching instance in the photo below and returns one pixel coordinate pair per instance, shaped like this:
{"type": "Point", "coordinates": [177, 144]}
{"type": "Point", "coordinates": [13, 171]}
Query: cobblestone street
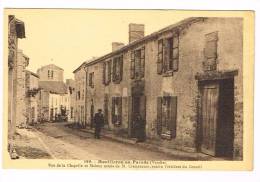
{"type": "Point", "coordinates": [59, 142]}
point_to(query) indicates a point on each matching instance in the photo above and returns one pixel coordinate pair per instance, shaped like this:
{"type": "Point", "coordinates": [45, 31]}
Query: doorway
{"type": "Point", "coordinates": [217, 117]}
{"type": "Point", "coordinates": [138, 108]}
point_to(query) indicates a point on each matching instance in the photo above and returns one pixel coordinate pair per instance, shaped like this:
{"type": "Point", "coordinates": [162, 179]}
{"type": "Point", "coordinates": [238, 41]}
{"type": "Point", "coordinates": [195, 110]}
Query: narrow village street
{"type": "Point", "coordinates": [60, 142]}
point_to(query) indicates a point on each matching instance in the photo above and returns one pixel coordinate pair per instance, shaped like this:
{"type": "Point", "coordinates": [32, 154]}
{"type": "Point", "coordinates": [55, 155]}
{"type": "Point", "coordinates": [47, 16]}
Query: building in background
{"type": "Point", "coordinates": [72, 98]}
{"type": "Point", "coordinates": [50, 72]}
{"type": "Point", "coordinates": [32, 94]}
{"type": "Point", "coordinates": [184, 80]}
{"type": "Point", "coordinates": [16, 30]}
{"type": "Point", "coordinates": [80, 93]}
{"type": "Point", "coordinates": [54, 102]}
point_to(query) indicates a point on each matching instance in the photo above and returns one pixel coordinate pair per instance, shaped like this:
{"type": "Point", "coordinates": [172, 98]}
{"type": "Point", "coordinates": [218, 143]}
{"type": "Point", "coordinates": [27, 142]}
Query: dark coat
{"type": "Point", "coordinates": [99, 120]}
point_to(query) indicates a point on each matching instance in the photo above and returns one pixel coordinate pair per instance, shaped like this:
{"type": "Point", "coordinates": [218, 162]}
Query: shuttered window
{"type": "Point", "coordinates": [160, 57]}
{"type": "Point", "coordinates": [117, 111]}
{"type": "Point", "coordinates": [175, 53]}
{"type": "Point", "coordinates": [166, 116]}
{"type": "Point", "coordinates": [107, 72]}
{"type": "Point", "coordinates": [106, 101]}
{"type": "Point", "coordinates": [91, 80]}
{"type": "Point", "coordinates": [210, 51]}
{"type": "Point", "coordinates": [117, 69]}
{"type": "Point", "coordinates": [168, 55]}
{"type": "Point", "coordinates": [137, 67]}
{"type": "Point", "coordinates": [132, 65]}
{"type": "Point", "coordinates": [142, 62]}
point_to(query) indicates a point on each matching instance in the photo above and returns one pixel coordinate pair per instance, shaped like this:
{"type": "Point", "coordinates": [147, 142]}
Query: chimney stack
{"type": "Point", "coordinates": [117, 45]}
{"type": "Point", "coordinates": [136, 31]}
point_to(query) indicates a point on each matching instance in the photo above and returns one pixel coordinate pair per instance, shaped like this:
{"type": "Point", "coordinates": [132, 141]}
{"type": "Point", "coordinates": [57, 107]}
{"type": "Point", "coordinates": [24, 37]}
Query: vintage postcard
{"type": "Point", "coordinates": [128, 89]}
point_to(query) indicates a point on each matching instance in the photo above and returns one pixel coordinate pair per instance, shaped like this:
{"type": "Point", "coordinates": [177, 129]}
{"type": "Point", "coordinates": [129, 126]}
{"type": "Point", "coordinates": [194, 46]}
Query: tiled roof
{"type": "Point", "coordinates": [56, 87]}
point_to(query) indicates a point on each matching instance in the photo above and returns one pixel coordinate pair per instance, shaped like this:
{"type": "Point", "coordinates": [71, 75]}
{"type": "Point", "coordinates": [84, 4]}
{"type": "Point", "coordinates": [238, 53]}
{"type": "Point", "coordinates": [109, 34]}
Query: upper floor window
{"type": "Point", "coordinates": [50, 74]}
{"type": "Point", "coordinates": [168, 55]}
{"type": "Point", "coordinates": [91, 80]}
{"type": "Point", "coordinates": [107, 72]}
{"type": "Point", "coordinates": [137, 63]}
{"type": "Point", "coordinates": [117, 69]}
{"type": "Point", "coordinates": [78, 95]}
{"type": "Point", "coordinates": [210, 51]}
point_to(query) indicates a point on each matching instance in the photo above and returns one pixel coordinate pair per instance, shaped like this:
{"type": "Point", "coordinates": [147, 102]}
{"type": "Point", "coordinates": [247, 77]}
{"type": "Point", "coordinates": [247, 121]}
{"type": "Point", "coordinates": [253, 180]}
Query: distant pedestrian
{"type": "Point", "coordinates": [140, 128]}
{"type": "Point", "coordinates": [98, 123]}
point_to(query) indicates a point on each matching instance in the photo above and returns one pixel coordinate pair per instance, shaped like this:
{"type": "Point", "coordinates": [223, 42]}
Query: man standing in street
{"type": "Point", "coordinates": [98, 122]}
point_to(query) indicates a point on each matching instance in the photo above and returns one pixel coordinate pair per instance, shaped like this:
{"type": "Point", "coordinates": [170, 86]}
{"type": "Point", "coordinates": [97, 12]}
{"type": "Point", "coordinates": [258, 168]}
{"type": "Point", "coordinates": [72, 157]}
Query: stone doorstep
{"type": "Point", "coordinates": [182, 155]}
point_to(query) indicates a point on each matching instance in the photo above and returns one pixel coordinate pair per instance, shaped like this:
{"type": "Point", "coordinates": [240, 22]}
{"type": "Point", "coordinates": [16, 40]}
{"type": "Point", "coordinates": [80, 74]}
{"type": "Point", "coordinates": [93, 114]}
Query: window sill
{"type": "Point", "coordinates": [168, 73]}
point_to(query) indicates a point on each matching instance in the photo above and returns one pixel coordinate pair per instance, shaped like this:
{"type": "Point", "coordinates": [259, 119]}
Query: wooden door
{"type": "Point", "coordinates": [210, 101]}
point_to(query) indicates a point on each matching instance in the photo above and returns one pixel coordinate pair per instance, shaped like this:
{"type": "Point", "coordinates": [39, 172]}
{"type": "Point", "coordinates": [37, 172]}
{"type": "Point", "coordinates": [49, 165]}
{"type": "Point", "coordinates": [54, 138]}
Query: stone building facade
{"type": "Point", "coordinates": [80, 110]}
{"type": "Point", "coordinates": [22, 63]}
{"type": "Point", "coordinates": [50, 72]}
{"type": "Point", "coordinates": [16, 30]}
{"type": "Point", "coordinates": [72, 98]}
{"type": "Point", "coordinates": [53, 101]}
{"type": "Point", "coordinates": [184, 80]}
{"type": "Point", "coordinates": [32, 94]}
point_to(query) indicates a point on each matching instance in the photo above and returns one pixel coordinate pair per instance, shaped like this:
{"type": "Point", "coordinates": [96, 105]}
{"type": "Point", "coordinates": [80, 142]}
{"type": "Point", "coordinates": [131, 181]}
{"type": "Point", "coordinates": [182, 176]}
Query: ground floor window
{"type": "Point", "coordinates": [71, 112]}
{"type": "Point", "coordinates": [117, 111]}
{"type": "Point", "coordinates": [166, 116]}
{"type": "Point", "coordinates": [106, 101]}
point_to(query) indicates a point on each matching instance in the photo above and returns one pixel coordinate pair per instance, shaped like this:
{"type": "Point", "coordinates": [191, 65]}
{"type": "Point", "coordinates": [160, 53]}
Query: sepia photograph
{"type": "Point", "coordinates": [128, 88]}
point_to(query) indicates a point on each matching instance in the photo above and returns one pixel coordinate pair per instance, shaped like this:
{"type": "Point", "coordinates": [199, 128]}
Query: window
{"type": "Point", "coordinates": [71, 112]}
{"type": "Point", "coordinates": [168, 55]}
{"type": "Point", "coordinates": [117, 69]}
{"type": "Point", "coordinates": [78, 95]}
{"type": "Point", "coordinates": [210, 51]}
{"type": "Point", "coordinates": [83, 94]}
{"type": "Point", "coordinates": [107, 72]}
{"type": "Point", "coordinates": [137, 65]}
{"type": "Point", "coordinates": [166, 116]}
{"type": "Point", "coordinates": [50, 74]}
{"type": "Point", "coordinates": [106, 105]}
{"type": "Point", "coordinates": [91, 80]}
{"type": "Point", "coordinates": [117, 111]}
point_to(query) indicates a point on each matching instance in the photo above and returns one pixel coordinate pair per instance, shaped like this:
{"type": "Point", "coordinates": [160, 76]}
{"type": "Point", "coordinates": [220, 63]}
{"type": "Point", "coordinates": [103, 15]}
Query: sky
{"type": "Point", "coordinates": [69, 37]}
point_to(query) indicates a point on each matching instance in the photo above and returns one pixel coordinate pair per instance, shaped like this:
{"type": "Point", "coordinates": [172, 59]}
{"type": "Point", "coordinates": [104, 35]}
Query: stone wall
{"type": "Point", "coordinates": [22, 62]}
{"type": "Point", "coordinates": [57, 73]}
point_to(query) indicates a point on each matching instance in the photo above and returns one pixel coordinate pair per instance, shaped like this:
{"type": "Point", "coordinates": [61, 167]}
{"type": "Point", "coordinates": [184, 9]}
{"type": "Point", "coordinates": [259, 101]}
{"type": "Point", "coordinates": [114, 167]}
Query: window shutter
{"type": "Point", "coordinates": [132, 65]}
{"type": "Point", "coordinates": [160, 57]}
{"type": "Point", "coordinates": [104, 73]}
{"type": "Point", "coordinates": [173, 116]}
{"type": "Point", "coordinates": [142, 69]}
{"type": "Point", "coordinates": [121, 67]}
{"type": "Point", "coordinates": [113, 110]}
{"type": "Point", "coordinates": [130, 123]}
{"type": "Point", "coordinates": [159, 115]}
{"type": "Point", "coordinates": [175, 53]}
{"type": "Point", "coordinates": [109, 71]}
{"type": "Point", "coordinates": [211, 49]}
{"type": "Point", "coordinates": [114, 70]}
{"type": "Point", "coordinates": [120, 109]}
{"type": "Point", "coordinates": [210, 52]}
